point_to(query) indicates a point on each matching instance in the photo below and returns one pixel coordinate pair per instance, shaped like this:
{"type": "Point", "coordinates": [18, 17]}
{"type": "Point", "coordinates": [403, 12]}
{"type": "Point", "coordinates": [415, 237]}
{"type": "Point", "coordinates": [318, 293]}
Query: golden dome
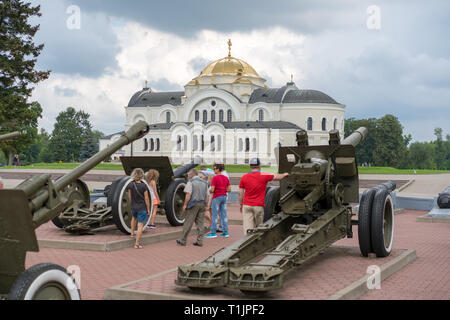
{"type": "Point", "coordinates": [229, 66]}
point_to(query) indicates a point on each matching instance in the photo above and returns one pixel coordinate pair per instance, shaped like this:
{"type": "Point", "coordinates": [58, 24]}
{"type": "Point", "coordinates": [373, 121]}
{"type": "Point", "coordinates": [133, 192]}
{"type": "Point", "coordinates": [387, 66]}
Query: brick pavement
{"type": "Point", "coordinates": [425, 278]}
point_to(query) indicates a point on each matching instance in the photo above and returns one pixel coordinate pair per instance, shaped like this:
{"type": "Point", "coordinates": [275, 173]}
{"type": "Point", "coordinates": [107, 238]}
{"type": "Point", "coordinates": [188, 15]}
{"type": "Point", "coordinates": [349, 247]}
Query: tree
{"type": "Point", "coordinates": [391, 145]}
{"type": "Point", "coordinates": [18, 57]}
{"type": "Point", "coordinates": [421, 156]}
{"type": "Point", "coordinates": [91, 145]}
{"type": "Point", "coordinates": [439, 151]}
{"type": "Point", "coordinates": [72, 129]}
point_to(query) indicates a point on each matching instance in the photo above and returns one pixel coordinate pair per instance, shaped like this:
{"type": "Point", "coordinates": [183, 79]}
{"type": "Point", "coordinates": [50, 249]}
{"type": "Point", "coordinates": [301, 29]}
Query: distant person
{"type": "Point", "coordinates": [252, 191]}
{"type": "Point", "coordinates": [206, 171]}
{"type": "Point", "coordinates": [194, 205]}
{"type": "Point", "coordinates": [220, 185]}
{"type": "Point", "coordinates": [1, 183]}
{"type": "Point", "coordinates": [16, 161]}
{"type": "Point", "coordinates": [152, 177]}
{"type": "Point", "coordinates": [208, 213]}
{"type": "Point", "coordinates": [140, 204]}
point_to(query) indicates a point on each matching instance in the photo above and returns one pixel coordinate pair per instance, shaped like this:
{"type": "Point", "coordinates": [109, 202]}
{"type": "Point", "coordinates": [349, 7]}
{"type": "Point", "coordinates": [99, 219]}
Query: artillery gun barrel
{"type": "Point", "coordinates": [137, 131]}
{"type": "Point", "coordinates": [182, 170]}
{"type": "Point", "coordinates": [356, 137]}
{"type": "Point", "coordinates": [8, 136]}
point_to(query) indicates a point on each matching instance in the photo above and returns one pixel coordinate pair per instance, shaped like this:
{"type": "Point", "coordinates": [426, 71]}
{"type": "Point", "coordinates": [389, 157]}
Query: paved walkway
{"type": "Point", "coordinates": [425, 278]}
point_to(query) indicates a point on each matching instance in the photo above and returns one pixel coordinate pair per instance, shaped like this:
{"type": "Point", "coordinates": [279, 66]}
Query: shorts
{"type": "Point", "coordinates": [140, 215]}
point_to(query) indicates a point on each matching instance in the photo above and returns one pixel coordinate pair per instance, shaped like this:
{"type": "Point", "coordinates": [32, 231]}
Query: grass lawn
{"type": "Point", "coordinates": [239, 168]}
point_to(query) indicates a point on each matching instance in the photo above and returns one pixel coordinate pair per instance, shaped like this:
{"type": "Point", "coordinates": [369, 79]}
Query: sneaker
{"type": "Point", "coordinates": [181, 243]}
{"type": "Point", "coordinates": [197, 244]}
{"type": "Point", "coordinates": [151, 226]}
{"type": "Point", "coordinates": [219, 230]}
{"type": "Point", "coordinates": [211, 235]}
{"type": "Point", "coordinates": [225, 235]}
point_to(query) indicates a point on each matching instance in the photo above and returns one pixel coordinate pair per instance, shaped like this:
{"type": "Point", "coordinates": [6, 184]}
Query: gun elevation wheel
{"type": "Point", "coordinates": [121, 205]}
{"type": "Point", "coordinates": [271, 201]}
{"type": "Point", "coordinates": [174, 202]}
{"type": "Point", "coordinates": [382, 223]}
{"type": "Point", "coordinates": [77, 190]}
{"type": "Point", "coordinates": [44, 281]}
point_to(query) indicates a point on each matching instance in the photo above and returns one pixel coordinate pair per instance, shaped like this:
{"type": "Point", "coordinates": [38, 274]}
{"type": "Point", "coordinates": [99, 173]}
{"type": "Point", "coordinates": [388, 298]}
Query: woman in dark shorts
{"type": "Point", "coordinates": [140, 204]}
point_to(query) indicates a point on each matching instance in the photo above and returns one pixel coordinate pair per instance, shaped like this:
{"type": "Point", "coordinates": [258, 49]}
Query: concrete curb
{"type": "Point", "coordinates": [359, 287]}
{"type": "Point", "coordinates": [352, 291]}
{"type": "Point", "coordinates": [426, 218]}
{"type": "Point", "coordinates": [111, 245]}
{"type": "Point", "coordinates": [406, 185]}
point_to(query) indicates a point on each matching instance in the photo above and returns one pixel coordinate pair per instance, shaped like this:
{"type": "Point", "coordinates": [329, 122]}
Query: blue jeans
{"type": "Point", "coordinates": [219, 204]}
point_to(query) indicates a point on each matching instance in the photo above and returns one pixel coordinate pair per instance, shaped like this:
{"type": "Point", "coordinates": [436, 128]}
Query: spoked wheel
{"type": "Point", "coordinates": [382, 223]}
{"type": "Point", "coordinates": [77, 190]}
{"type": "Point", "coordinates": [272, 205]}
{"type": "Point", "coordinates": [44, 281]}
{"type": "Point", "coordinates": [120, 204]}
{"type": "Point", "coordinates": [174, 202]}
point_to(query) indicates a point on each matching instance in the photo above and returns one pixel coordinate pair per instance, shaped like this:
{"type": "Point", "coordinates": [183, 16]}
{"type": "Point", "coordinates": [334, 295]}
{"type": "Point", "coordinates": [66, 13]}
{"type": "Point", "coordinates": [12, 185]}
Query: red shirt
{"type": "Point", "coordinates": [254, 184]}
{"type": "Point", "coordinates": [221, 183]}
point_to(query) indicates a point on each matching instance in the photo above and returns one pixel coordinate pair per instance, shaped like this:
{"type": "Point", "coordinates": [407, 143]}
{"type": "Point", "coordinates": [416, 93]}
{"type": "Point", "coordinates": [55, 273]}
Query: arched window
{"type": "Point", "coordinates": [213, 145]}
{"type": "Point", "coordinates": [197, 115]}
{"type": "Point", "coordinates": [168, 117]}
{"type": "Point", "coordinates": [247, 144]}
{"type": "Point", "coordinates": [203, 143]}
{"type": "Point", "coordinates": [145, 145]}
{"type": "Point", "coordinates": [261, 115]}
{"type": "Point", "coordinates": [254, 145]}
{"type": "Point", "coordinates": [158, 144]}
{"type": "Point", "coordinates": [230, 116]}
{"type": "Point", "coordinates": [205, 116]}
{"type": "Point", "coordinates": [195, 143]}
{"type": "Point", "coordinates": [213, 116]}
{"type": "Point", "coordinates": [185, 143]}
{"type": "Point", "coordinates": [219, 143]}
{"type": "Point", "coordinates": [241, 144]}
{"type": "Point", "coordinates": [324, 124]}
{"type": "Point", "coordinates": [178, 143]}
{"type": "Point", "coordinates": [310, 124]}
{"type": "Point", "coordinates": [221, 114]}
{"type": "Point", "coordinates": [335, 124]}
{"type": "Point", "coordinates": [152, 144]}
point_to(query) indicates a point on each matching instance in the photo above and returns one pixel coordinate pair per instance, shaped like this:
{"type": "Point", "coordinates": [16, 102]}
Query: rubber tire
{"type": "Point", "coordinates": [57, 222]}
{"type": "Point", "coordinates": [381, 199]}
{"type": "Point", "coordinates": [365, 221]}
{"type": "Point", "coordinates": [271, 205]}
{"type": "Point", "coordinates": [168, 202]}
{"type": "Point", "coordinates": [53, 273]}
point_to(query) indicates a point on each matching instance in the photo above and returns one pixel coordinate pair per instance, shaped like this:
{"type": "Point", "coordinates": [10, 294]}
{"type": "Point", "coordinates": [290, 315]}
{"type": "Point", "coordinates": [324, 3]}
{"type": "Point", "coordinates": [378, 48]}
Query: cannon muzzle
{"type": "Point", "coordinates": [9, 136]}
{"type": "Point", "coordinates": [356, 137]}
{"type": "Point", "coordinates": [184, 169]}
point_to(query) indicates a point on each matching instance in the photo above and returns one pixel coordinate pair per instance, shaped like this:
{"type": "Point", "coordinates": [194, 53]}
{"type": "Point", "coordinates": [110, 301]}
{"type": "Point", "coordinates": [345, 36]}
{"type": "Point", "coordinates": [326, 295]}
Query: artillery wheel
{"type": "Point", "coordinates": [121, 205]}
{"type": "Point", "coordinates": [44, 281]}
{"type": "Point", "coordinates": [174, 202]}
{"type": "Point", "coordinates": [364, 221]}
{"type": "Point", "coordinates": [271, 201]}
{"type": "Point", "coordinates": [382, 223]}
{"type": "Point", "coordinates": [77, 190]}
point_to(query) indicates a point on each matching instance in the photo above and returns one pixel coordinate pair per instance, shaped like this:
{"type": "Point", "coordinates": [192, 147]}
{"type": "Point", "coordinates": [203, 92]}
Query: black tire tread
{"type": "Point", "coordinates": [364, 221]}
{"type": "Point", "coordinates": [271, 199]}
{"type": "Point", "coordinates": [113, 198]}
{"type": "Point", "coordinates": [378, 245]}
{"type": "Point", "coordinates": [170, 214]}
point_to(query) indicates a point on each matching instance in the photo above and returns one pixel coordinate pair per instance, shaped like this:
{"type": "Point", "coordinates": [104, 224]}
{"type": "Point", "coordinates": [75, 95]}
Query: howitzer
{"type": "Point", "coordinates": [310, 211]}
{"type": "Point", "coordinates": [78, 218]}
{"type": "Point", "coordinates": [9, 136]}
{"type": "Point", "coordinates": [32, 203]}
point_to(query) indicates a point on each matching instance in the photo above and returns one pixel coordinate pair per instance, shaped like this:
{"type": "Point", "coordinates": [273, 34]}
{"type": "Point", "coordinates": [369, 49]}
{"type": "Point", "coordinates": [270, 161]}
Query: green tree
{"type": "Point", "coordinates": [391, 145]}
{"type": "Point", "coordinates": [421, 156]}
{"type": "Point", "coordinates": [91, 145]}
{"type": "Point", "coordinates": [440, 150]}
{"type": "Point", "coordinates": [72, 129]}
{"type": "Point", "coordinates": [18, 57]}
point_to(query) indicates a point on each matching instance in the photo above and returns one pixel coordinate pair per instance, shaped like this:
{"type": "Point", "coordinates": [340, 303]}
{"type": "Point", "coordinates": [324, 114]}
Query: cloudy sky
{"type": "Point", "coordinates": [398, 64]}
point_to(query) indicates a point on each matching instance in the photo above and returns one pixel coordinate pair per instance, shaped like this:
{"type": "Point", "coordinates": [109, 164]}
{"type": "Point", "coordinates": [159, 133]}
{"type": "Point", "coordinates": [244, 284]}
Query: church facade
{"type": "Point", "coordinates": [228, 115]}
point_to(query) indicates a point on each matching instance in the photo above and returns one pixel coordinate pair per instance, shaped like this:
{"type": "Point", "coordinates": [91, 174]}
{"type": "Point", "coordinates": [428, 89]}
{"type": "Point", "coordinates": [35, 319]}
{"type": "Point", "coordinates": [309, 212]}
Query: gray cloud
{"type": "Point", "coordinates": [89, 51]}
{"type": "Point", "coordinates": [66, 92]}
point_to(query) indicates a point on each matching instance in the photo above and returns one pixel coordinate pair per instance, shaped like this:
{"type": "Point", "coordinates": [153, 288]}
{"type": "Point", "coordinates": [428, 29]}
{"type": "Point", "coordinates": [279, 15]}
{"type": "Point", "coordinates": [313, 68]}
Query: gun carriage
{"type": "Point", "coordinates": [308, 213]}
{"type": "Point", "coordinates": [33, 203]}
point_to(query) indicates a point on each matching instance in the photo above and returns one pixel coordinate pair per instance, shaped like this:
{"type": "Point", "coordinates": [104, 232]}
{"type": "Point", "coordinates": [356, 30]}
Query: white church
{"type": "Point", "coordinates": [228, 115]}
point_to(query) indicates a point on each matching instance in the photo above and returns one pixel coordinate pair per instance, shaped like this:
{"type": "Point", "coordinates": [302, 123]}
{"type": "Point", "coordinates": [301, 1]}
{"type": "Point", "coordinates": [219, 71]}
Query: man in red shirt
{"type": "Point", "coordinates": [252, 191]}
{"type": "Point", "coordinates": [220, 185]}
